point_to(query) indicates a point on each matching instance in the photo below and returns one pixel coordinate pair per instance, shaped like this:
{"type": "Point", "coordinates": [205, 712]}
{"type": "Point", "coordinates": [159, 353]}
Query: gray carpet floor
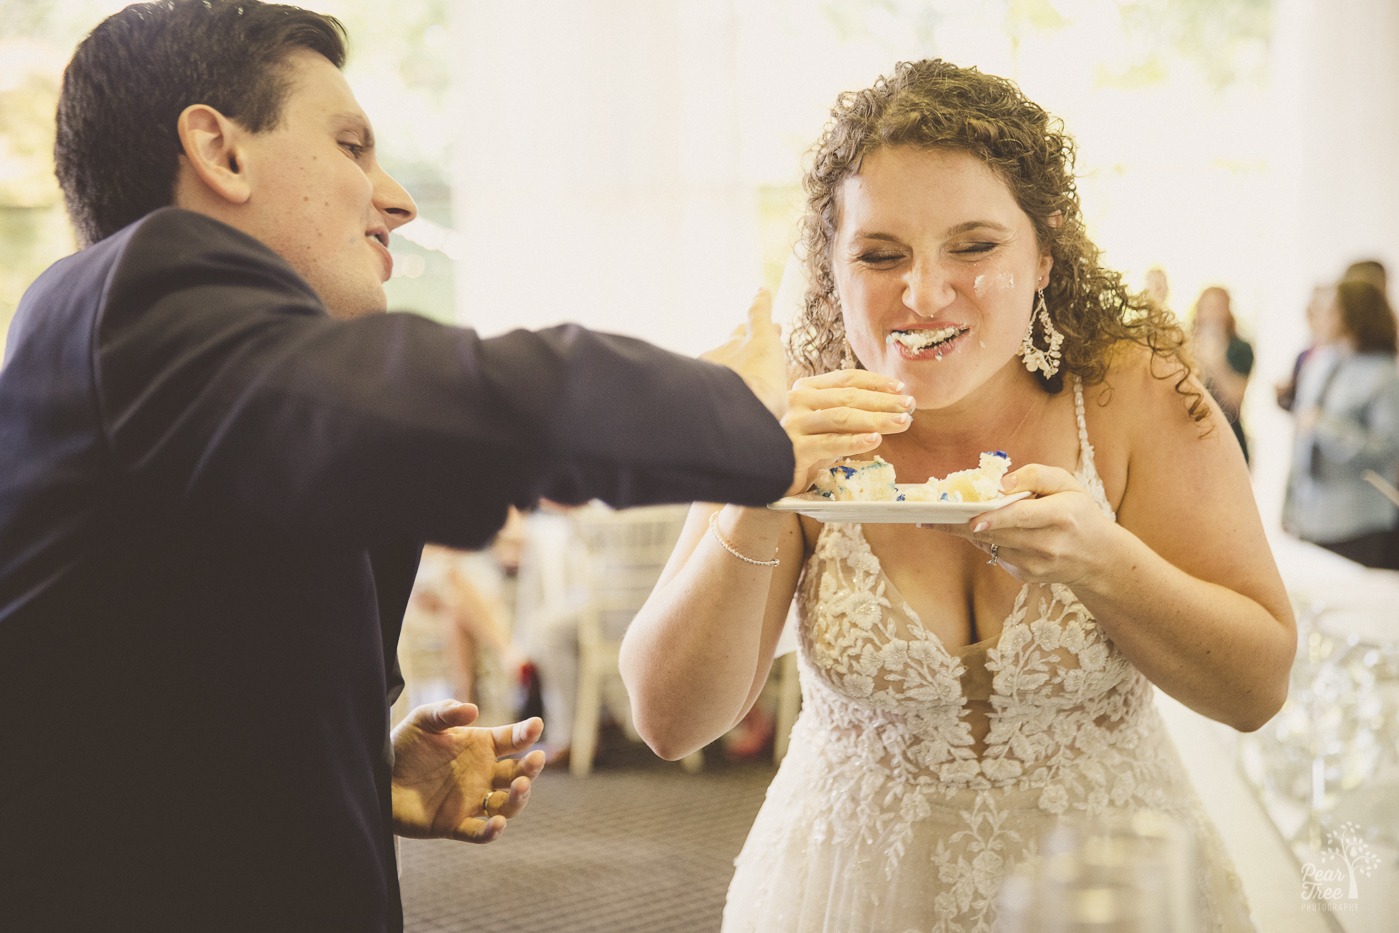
{"type": "Point", "coordinates": [639, 845]}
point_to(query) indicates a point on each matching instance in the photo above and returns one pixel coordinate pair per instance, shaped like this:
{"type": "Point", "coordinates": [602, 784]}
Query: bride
{"type": "Point", "coordinates": [966, 687]}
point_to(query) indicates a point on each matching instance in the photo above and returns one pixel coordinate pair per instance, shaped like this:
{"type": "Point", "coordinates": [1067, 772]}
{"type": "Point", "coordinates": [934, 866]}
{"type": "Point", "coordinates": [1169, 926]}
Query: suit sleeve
{"type": "Point", "coordinates": [223, 385]}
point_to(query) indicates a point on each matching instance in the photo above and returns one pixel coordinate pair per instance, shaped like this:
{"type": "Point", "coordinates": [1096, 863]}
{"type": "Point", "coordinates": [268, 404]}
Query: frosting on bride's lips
{"type": "Point", "coordinates": [924, 338]}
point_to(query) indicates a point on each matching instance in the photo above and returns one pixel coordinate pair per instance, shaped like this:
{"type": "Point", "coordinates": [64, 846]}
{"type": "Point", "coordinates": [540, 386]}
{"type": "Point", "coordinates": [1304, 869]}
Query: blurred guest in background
{"type": "Point", "coordinates": [550, 595]}
{"type": "Point", "coordinates": [1347, 422]}
{"type": "Point", "coordinates": [1364, 270]}
{"type": "Point", "coordinates": [1368, 270]}
{"type": "Point", "coordinates": [1225, 358]}
{"type": "Point", "coordinates": [462, 595]}
{"type": "Point", "coordinates": [1285, 391]}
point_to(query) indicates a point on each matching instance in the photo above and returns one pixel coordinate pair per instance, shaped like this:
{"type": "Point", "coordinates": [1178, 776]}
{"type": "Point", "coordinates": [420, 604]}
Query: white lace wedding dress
{"type": "Point", "coordinates": [917, 777]}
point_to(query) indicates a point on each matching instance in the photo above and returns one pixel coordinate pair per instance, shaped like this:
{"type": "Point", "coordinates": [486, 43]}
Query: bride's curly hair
{"type": "Point", "coordinates": [933, 104]}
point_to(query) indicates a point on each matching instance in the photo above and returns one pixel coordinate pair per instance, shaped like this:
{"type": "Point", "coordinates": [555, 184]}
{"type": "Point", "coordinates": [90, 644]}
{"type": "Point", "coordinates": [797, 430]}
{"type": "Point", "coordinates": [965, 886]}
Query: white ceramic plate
{"type": "Point", "coordinates": [923, 513]}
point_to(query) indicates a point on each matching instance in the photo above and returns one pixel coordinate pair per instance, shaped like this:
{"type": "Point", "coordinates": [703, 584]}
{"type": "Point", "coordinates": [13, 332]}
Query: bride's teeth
{"type": "Point", "coordinates": [922, 339]}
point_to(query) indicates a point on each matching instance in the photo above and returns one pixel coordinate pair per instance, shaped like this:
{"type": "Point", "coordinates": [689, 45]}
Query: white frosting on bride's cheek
{"type": "Point", "coordinates": [979, 285]}
{"type": "Point", "coordinates": [1004, 280]}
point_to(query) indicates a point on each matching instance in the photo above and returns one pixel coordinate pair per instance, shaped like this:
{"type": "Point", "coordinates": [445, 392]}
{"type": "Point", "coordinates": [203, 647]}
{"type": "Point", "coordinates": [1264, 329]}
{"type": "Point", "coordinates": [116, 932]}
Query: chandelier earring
{"type": "Point", "coordinates": [1047, 360]}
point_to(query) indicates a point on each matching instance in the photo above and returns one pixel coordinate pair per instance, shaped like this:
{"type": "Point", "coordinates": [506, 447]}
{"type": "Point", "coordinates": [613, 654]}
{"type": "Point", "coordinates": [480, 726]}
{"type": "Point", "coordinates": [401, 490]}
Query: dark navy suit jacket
{"type": "Point", "coordinates": [211, 494]}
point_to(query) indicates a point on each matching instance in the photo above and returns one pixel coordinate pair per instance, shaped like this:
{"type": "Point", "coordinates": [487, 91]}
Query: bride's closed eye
{"type": "Point", "coordinates": [878, 258]}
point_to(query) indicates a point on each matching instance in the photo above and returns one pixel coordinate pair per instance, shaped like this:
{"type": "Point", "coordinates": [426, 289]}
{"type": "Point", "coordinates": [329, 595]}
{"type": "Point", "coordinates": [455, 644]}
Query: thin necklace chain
{"type": "Point", "coordinates": [1001, 443]}
{"type": "Point", "coordinates": [1042, 400]}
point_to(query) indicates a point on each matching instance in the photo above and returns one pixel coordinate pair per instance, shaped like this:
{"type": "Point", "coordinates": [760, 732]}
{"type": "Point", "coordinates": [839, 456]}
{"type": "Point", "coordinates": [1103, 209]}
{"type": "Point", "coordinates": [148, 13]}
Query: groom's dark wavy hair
{"type": "Point", "coordinates": [117, 150]}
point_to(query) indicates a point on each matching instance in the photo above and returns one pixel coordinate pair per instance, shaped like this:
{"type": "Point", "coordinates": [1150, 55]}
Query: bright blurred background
{"type": "Point", "coordinates": [634, 165]}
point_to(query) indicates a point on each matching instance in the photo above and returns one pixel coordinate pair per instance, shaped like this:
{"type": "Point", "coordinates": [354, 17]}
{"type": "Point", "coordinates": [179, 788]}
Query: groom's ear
{"type": "Point", "coordinates": [212, 145]}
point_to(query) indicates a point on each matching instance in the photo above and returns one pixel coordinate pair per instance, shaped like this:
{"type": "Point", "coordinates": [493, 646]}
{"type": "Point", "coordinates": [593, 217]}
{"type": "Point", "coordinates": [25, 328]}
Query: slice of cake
{"type": "Point", "coordinates": [980, 484]}
{"type": "Point", "coordinates": [976, 485]}
{"type": "Point", "coordinates": [873, 481]}
{"type": "Point", "coordinates": [864, 480]}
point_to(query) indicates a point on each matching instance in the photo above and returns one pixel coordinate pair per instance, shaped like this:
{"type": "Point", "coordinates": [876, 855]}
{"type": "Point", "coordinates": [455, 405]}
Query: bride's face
{"type": "Point", "coordinates": [936, 267]}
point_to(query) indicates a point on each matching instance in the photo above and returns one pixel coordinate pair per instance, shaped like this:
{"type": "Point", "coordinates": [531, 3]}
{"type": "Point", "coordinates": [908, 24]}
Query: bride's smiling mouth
{"type": "Point", "coordinates": [922, 342]}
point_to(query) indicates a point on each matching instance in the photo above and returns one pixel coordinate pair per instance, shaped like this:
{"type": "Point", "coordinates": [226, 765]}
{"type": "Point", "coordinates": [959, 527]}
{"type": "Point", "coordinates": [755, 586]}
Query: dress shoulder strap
{"type": "Point", "coordinates": [1085, 447]}
{"type": "Point", "coordinates": [1087, 469]}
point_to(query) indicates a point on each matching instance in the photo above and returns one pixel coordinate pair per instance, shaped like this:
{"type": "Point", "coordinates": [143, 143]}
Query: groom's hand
{"type": "Point", "coordinates": [453, 781]}
{"type": "Point", "coordinates": [755, 352]}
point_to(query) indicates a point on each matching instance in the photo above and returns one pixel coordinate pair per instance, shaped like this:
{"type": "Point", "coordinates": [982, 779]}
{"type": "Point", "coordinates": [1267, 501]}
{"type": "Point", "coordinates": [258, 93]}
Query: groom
{"type": "Point", "coordinates": [217, 461]}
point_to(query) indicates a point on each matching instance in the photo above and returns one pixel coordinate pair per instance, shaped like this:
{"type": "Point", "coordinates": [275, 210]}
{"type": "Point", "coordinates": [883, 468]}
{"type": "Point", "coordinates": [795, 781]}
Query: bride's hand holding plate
{"type": "Point", "coordinates": [839, 414]}
{"type": "Point", "coordinates": [1056, 536]}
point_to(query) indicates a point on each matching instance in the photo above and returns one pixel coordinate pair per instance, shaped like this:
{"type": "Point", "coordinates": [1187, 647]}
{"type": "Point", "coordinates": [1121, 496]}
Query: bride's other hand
{"type": "Point", "coordinates": [754, 351]}
{"type": "Point", "coordinates": [841, 414]}
{"type": "Point", "coordinates": [1059, 535]}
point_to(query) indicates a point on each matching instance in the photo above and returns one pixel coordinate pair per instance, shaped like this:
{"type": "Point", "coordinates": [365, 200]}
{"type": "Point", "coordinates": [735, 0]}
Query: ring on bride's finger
{"type": "Point", "coordinates": [995, 555]}
{"type": "Point", "coordinates": [486, 803]}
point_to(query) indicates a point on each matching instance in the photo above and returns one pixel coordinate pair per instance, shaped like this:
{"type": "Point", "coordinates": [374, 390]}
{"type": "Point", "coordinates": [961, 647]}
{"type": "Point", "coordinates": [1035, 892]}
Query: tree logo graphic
{"type": "Point", "coordinates": [1349, 858]}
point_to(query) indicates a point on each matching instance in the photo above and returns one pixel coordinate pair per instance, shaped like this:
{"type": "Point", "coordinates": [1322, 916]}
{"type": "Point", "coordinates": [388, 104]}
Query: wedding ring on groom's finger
{"type": "Point", "coordinates": [995, 555]}
{"type": "Point", "coordinates": [486, 803]}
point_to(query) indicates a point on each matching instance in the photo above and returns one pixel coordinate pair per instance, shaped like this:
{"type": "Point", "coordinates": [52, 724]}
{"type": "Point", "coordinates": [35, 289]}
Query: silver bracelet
{"type": "Point", "coordinates": [723, 543]}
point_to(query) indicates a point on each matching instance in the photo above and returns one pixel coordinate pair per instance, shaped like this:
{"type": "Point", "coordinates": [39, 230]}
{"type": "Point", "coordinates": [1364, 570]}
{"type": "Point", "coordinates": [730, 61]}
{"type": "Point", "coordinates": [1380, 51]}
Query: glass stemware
{"type": "Point", "coordinates": [1340, 725]}
{"type": "Point", "coordinates": [1130, 874]}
